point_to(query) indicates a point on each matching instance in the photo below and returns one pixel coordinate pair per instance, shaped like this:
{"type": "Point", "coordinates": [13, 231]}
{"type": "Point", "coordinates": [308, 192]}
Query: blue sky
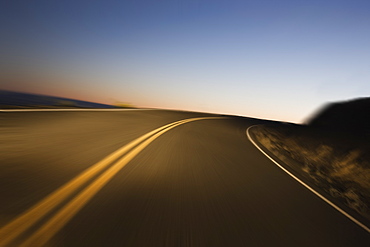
{"type": "Point", "coordinates": [268, 59]}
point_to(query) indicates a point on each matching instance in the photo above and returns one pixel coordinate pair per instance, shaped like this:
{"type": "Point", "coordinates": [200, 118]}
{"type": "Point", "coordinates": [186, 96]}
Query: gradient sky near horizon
{"type": "Point", "coordinates": [268, 59]}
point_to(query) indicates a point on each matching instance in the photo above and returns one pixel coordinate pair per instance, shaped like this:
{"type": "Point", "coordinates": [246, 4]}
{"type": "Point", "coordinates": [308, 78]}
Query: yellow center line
{"type": "Point", "coordinates": [23, 222]}
{"type": "Point", "coordinates": [61, 218]}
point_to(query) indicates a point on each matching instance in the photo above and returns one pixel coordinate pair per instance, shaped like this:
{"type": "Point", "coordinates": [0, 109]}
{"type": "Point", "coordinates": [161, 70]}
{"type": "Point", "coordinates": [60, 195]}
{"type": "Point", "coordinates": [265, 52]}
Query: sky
{"type": "Point", "coordinates": [278, 60]}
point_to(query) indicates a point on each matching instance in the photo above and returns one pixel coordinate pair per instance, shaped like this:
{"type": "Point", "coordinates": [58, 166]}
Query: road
{"type": "Point", "coordinates": [87, 179]}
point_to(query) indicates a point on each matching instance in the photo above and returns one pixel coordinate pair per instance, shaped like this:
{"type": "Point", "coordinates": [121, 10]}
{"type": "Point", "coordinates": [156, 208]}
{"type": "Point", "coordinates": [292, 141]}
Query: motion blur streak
{"type": "Point", "coordinates": [18, 226]}
{"type": "Point", "coordinates": [50, 228]}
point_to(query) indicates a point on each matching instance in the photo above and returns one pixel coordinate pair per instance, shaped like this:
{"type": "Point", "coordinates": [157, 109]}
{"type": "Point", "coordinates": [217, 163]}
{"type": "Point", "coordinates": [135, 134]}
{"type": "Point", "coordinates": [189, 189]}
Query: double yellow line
{"type": "Point", "coordinates": [117, 160]}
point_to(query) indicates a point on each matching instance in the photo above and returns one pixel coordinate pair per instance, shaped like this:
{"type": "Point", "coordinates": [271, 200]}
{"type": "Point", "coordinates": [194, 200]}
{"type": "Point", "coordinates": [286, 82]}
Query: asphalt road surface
{"type": "Point", "coordinates": [147, 178]}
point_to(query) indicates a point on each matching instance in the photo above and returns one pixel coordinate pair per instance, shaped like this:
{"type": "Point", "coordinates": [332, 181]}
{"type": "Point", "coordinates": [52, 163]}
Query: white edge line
{"type": "Point", "coordinates": [41, 110]}
{"type": "Point", "coordinates": [305, 185]}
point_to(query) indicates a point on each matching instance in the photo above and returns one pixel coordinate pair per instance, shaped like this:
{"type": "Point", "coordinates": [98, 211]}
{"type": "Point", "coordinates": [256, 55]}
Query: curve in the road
{"type": "Point", "coordinates": [22, 223]}
{"type": "Point", "coordinates": [30, 217]}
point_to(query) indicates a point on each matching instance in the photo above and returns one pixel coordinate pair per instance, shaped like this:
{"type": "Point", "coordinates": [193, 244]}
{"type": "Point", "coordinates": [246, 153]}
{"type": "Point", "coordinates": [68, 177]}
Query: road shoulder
{"type": "Point", "coordinates": [300, 177]}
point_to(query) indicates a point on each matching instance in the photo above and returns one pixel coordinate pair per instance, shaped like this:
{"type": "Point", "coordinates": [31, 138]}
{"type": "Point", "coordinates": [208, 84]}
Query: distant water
{"type": "Point", "coordinates": [8, 98]}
